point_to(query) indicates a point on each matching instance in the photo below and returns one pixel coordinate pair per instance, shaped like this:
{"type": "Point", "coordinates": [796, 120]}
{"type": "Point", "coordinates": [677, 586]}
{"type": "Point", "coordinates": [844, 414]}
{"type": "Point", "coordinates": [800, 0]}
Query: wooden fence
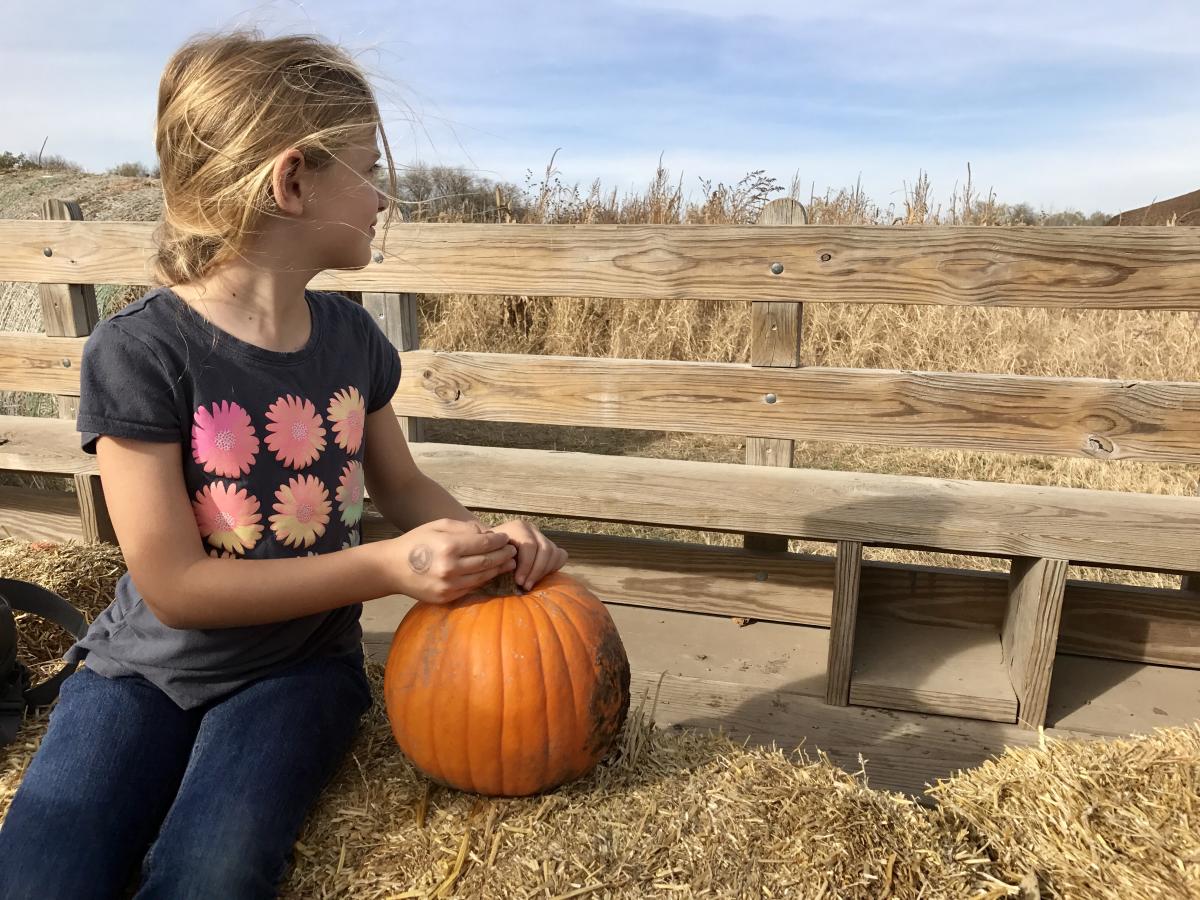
{"type": "Point", "coordinates": [1031, 616]}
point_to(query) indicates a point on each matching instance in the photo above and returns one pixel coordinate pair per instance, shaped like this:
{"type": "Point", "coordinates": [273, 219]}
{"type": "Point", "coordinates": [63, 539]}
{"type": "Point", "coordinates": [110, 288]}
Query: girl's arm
{"type": "Point", "coordinates": [407, 497]}
{"type": "Point", "coordinates": [402, 493]}
{"type": "Point", "coordinates": [152, 515]}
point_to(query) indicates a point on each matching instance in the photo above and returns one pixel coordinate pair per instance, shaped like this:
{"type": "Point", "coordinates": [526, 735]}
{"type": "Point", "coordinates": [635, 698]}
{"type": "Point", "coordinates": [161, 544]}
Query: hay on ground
{"type": "Point", "coordinates": [695, 814]}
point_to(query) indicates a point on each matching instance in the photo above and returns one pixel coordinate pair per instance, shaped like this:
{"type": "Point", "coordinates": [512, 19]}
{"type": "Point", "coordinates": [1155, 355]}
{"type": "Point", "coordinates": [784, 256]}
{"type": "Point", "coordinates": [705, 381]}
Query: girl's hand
{"type": "Point", "coordinates": [537, 556]}
{"type": "Point", "coordinates": [440, 561]}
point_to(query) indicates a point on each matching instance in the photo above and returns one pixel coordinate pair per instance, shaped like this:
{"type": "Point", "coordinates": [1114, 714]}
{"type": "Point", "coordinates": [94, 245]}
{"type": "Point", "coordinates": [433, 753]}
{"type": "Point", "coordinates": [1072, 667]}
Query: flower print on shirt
{"type": "Point", "coordinates": [302, 511]}
{"type": "Point", "coordinates": [353, 541]}
{"type": "Point", "coordinates": [348, 413]}
{"type": "Point", "coordinates": [350, 492]}
{"type": "Point", "coordinates": [295, 433]}
{"type": "Point", "coordinates": [228, 516]}
{"type": "Point", "coordinates": [223, 441]}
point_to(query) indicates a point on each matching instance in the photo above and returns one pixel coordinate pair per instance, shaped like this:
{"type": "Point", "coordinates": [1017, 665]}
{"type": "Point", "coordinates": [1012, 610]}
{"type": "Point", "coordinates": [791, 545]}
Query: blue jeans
{"type": "Point", "coordinates": [203, 803]}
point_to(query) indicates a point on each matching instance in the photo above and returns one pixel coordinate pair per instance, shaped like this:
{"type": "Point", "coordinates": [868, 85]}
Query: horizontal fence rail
{"type": "Point", "coordinates": [1078, 267]}
{"type": "Point", "coordinates": [1082, 417]}
{"type": "Point", "coordinates": [1112, 528]}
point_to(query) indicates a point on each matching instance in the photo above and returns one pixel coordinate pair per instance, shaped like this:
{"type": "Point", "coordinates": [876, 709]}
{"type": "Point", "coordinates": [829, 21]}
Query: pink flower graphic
{"type": "Point", "coordinates": [350, 492]}
{"type": "Point", "coordinates": [224, 554]}
{"type": "Point", "coordinates": [223, 441]}
{"type": "Point", "coordinates": [295, 433]}
{"type": "Point", "coordinates": [348, 413]}
{"type": "Point", "coordinates": [228, 516]}
{"type": "Point", "coordinates": [302, 511]}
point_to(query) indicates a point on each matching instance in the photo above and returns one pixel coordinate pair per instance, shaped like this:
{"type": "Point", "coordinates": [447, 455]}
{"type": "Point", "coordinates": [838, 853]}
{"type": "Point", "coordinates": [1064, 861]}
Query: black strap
{"type": "Point", "coordinates": [16, 693]}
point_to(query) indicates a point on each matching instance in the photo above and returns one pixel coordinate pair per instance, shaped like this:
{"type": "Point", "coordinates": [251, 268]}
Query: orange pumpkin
{"type": "Point", "coordinates": [505, 693]}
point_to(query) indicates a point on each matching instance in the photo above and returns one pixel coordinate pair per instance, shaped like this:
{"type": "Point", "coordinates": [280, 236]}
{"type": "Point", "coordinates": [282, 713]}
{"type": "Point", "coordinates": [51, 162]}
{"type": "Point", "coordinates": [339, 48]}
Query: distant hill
{"type": "Point", "coordinates": [1181, 210]}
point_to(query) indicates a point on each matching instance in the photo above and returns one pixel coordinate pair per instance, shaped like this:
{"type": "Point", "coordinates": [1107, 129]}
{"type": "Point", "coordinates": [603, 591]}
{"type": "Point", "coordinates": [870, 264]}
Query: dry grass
{"type": "Point", "coordinates": [1119, 344]}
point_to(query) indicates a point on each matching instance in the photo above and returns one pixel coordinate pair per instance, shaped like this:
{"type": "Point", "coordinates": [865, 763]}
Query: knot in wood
{"type": "Point", "coordinates": [1098, 445]}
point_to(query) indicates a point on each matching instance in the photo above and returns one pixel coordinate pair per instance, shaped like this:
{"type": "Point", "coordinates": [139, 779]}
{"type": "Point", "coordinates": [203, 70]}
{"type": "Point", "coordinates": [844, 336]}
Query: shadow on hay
{"type": "Point", "coordinates": [903, 751]}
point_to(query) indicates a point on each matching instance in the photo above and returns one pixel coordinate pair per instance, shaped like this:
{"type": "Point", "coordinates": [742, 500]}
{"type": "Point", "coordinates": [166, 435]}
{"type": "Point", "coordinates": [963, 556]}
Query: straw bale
{"type": "Point", "coordinates": [85, 575]}
{"type": "Point", "coordinates": [680, 813]}
{"type": "Point", "coordinates": [1097, 819]}
{"type": "Point", "coordinates": [670, 813]}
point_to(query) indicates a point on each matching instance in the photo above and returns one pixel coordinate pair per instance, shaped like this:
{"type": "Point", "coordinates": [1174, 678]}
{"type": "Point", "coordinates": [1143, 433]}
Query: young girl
{"type": "Point", "coordinates": [236, 418]}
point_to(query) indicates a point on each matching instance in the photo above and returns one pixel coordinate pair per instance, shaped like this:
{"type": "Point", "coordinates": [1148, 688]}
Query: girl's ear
{"type": "Point", "coordinates": [286, 186]}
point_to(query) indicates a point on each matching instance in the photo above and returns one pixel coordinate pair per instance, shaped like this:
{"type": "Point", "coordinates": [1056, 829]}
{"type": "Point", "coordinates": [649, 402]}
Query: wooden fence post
{"type": "Point", "coordinates": [70, 310]}
{"type": "Point", "coordinates": [1030, 634]}
{"type": "Point", "coordinates": [93, 511]}
{"type": "Point", "coordinates": [843, 617]}
{"type": "Point", "coordinates": [396, 314]}
{"type": "Point", "coordinates": [774, 342]}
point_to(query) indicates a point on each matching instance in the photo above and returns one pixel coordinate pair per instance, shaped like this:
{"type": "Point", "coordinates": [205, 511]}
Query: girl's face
{"type": "Point", "coordinates": [344, 206]}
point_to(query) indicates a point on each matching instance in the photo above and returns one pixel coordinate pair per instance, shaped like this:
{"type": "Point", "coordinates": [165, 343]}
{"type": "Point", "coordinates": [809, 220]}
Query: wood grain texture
{"type": "Point", "coordinates": [36, 515]}
{"type": "Point", "coordinates": [776, 330]}
{"type": "Point", "coordinates": [36, 362]}
{"type": "Point", "coordinates": [68, 310]}
{"type": "Point", "coordinates": [931, 669]}
{"type": "Point", "coordinates": [1156, 532]}
{"type": "Point", "coordinates": [1030, 632]}
{"type": "Point", "coordinates": [42, 446]}
{"type": "Point", "coordinates": [93, 511]}
{"type": "Point", "coordinates": [842, 622]}
{"type": "Point", "coordinates": [1079, 267]}
{"type": "Point", "coordinates": [1082, 417]}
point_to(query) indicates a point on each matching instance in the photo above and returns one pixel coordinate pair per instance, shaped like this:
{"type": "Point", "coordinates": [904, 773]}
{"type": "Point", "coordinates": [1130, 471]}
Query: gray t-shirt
{"type": "Point", "coordinates": [273, 447]}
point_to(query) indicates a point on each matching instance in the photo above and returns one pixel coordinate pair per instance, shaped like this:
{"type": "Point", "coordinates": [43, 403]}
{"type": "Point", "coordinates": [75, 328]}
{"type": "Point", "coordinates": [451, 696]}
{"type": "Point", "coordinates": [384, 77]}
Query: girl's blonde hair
{"type": "Point", "coordinates": [228, 104]}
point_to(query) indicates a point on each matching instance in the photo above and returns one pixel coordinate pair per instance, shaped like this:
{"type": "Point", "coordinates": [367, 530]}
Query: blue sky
{"type": "Point", "coordinates": [1069, 104]}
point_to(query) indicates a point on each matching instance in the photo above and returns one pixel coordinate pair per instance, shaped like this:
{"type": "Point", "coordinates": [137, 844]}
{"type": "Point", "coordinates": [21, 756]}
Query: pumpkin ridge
{"type": "Point", "coordinates": [608, 656]}
{"type": "Point", "coordinates": [565, 668]}
{"type": "Point", "coordinates": [499, 750]}
{"type": "Point", "coordinates": [536, 644]}
{"type": "Point", "coordinates": [469, 718]}
{"type": "Point", "coordinates": [584, 650]}
{"type": "Point", "coordinates": [448, 629]}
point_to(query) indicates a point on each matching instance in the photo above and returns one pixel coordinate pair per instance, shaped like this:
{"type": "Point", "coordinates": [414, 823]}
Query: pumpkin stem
{"type": "Point", "coordinates": [503, 585]}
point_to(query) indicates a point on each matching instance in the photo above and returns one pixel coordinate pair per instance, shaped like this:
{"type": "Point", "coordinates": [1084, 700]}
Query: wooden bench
{"type": "Point", "coordinates": [920, 669]}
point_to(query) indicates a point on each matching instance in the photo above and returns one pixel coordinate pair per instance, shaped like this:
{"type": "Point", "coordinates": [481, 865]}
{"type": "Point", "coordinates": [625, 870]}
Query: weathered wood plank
{"type": "Point", "coordinates": [931, 669]}
{"type": "Point", "coordinates": [1105, 697]}
{"type": "Point", "coordinates": [1082, 417]}
{"type": "Point", "coordinates": [1083, 267]}
{"type": "Point", "coordinates": [843, 621]}
{"type": "Point", "coordinates": [1030, 632]}
{"type": "Point", "coordinates": [68, 310]}
{"type": "Point", "coordinates": [1156, 532]}
{"type": "Point", "coordinates": [42, 446]}
{"type": "Point", "coordinates": [36, 362]}
{"type": "Point", "coordinates": [93, 511]}
{"type": "Point", "coordinates": [776, 330]}
{"type": "Point", "coordinates": [1011, 413]}
{"type": "Point", "coordinates": [36, 515]}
